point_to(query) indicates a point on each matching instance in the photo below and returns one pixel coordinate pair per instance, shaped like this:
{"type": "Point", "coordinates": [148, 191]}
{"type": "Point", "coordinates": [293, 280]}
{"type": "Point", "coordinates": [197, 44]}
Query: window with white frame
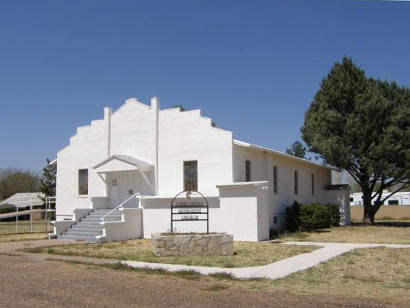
{"type": "Point", "coordinates": [313, 184]}
{"type": "Point", "coordinates": [296, 182]}
{"type": "Point", "coordinates": [248, 171]}
{"type": "Point", "coordinates": [191, 175]}
{"type": "Point", "coordinates": [275, 179]}
{"type": "Point", "coordinates": [83, 182]}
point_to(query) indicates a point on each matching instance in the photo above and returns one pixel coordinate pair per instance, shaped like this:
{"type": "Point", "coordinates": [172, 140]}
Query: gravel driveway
{"type": "Point", "coordinates": [29, 280]}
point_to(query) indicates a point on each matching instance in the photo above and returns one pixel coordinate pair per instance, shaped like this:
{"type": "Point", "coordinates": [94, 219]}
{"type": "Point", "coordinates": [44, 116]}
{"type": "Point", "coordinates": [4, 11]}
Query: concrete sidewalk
{"type": "Point", "coordinates": [275, 270]}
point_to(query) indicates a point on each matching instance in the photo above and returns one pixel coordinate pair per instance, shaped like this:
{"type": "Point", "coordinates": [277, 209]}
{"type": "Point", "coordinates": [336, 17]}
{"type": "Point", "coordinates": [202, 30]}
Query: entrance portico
{"type": "Point", "coordinates": [124, 176]}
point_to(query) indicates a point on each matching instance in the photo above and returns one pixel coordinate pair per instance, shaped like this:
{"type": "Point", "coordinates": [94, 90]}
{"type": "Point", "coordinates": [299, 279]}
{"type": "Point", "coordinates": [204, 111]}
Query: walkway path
{"type": "Point", "coordinates": [274, 270]}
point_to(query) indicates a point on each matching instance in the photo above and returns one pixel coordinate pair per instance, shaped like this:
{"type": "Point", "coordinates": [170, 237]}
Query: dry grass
{"type": "Point", "coordinates": [246, 253]}
{"type": "Point", "coordinates": [23, 237]}
{"type": "Point", "coordinates": [378, 273]}
{"type": "Point", "coordinates": [394, 232]}
{"type": "Point", "coordinates": [23, 226]}
{"type": "Point", "coordinates": [371, 275]}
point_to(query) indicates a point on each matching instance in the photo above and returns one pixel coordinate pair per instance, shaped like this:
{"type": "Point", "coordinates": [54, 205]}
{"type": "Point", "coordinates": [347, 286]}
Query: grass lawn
{"type": "Point", "coordinates": [368, 274]}
{"type": "Point", "coordinates": [23, 237]}
{"type": "Point", "coordinates": [8, 231]}
{"type": "Point", "coordinates": [246, 253]}
{"type": "Point", "coordinates": [393, 232]}
{"type": "Point", "coordinates": [380, 273]}
{"type": "Point", "coordinates": [23, 226]}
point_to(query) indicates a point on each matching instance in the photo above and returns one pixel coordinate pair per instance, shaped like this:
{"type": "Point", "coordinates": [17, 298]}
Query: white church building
{"type": "Point", "coordinates": [118, 176]}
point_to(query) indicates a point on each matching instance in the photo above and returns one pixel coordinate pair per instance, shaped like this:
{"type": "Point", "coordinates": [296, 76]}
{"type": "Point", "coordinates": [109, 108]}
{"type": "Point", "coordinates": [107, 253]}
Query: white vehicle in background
{"type": "Point", "coordinates": [399, 198]}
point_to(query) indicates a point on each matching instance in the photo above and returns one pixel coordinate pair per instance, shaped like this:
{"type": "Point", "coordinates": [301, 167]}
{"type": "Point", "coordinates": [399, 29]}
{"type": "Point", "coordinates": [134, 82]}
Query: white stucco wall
{"type": "Point", "coordinates": [245, 209]}
{"type": "Point", "coordinates": [131, 130]}
{"type": "Point", "coordinates": [185, 136]}
{"type": "Point", "coordinates": [157, 217]}
{"type": "Point", "coordinates": [240, 210]}
{"type": "Point", "coordinates": [129, 227]}
{"type": "Point", "coordinates": [262, 164]}
{"type": "Point", "coordinates": [86, 148]}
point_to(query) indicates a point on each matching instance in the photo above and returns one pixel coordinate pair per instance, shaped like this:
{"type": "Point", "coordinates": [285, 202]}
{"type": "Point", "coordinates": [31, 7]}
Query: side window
{"type": "Point", "coordinates": [191, 175]}
{"type": "Point", "coordinates": [248, 170]}
{"type": "Point", "coordinates": [275, 179]}
{"type": "Point", "coordinates": [313, 184]}
{"type": "Point", "coordinates": [83, 182]}
{"type": "Point", "coordinates": [296, 182]}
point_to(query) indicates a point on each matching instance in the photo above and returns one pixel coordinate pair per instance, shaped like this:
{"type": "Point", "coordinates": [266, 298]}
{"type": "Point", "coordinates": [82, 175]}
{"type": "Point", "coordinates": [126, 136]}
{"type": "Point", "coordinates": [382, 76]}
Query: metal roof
{"type": "Point", "coordinates": [260, 148]}
{"type": "Point", "coordinates": [24, 199]}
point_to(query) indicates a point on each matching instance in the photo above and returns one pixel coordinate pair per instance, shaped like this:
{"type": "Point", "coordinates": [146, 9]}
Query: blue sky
{"type": "Point", "coordinates": [253, 66]}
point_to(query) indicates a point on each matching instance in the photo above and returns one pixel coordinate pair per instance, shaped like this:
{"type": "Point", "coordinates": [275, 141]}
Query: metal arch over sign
{"type": "Point", "coordinates": [189, 206]}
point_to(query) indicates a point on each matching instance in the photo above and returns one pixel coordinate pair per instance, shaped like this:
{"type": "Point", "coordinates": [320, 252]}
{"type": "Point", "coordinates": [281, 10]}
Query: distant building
{"type": "Point", "coordinates": [26, 201]}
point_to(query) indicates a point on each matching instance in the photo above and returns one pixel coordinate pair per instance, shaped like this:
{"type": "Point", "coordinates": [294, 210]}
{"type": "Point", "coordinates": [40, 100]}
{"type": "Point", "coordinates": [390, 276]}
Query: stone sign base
{"type": "Point", "coordinates": [195, 244]}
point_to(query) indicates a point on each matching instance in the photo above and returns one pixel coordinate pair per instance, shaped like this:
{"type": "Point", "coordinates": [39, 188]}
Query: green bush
{"type": "Point", "coordinates": [314, 216]}
{"type": "Point", "coordinates": [8, 209]}
{"type": "Point", "coordinates": [334, 214]}
{"type": "Point", "coordinates": [51, 216]}
{"type": "Point", "coordinates": [292, 217]}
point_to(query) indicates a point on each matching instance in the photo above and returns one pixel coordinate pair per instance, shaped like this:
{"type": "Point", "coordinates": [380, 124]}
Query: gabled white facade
{"type": "Point", "coordinates": [142, 149]}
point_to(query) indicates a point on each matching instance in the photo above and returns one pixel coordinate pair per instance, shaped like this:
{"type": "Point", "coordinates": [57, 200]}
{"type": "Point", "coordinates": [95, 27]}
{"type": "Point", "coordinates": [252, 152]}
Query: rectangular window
{"type": "Point", "coordinates": [83, 182]}
{"type": "Point", "coordinates": [313, 184]}
{"type": "Point", "coordinates": [393, 202]}
{"type": "Point", "coordinates": [275, 179]}
{"type": "Point", "coordinates": [296, 182]}
{"type": "Point", "coordinates": [248, 171]}
{"type": "Point", "coordinates": [191, 175]}
{"type": "Point", "coordinates": [275, 220]}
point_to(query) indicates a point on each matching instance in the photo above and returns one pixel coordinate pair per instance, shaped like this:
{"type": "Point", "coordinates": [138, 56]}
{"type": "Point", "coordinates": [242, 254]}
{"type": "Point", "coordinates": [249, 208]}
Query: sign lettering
{"type": "Point", "coordinates": [189, 206]}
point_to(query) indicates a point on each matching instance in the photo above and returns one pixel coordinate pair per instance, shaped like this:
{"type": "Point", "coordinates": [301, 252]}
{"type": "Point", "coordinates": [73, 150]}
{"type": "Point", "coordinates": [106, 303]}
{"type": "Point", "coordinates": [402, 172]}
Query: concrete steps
{"type": "Point", "coordinates": [89, 227]}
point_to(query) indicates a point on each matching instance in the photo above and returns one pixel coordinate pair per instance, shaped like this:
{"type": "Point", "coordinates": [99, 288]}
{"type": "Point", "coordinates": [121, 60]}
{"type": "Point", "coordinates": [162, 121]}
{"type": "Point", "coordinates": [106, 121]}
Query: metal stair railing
{"type": "Point", "coordinates": [121, 205]}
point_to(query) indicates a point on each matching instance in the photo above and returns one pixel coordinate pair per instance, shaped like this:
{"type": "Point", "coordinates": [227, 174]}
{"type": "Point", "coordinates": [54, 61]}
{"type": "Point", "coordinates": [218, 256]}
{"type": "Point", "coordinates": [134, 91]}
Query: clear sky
{"type": "Point", "coordinates": [253, 66]}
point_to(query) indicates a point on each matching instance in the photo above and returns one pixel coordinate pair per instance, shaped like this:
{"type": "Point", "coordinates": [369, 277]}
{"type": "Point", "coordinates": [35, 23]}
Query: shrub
{"type": "Point", "coordinates": [51, 215]}
{"type": "Point", "coordinates": [314, 216]}
{"type": "Point", "coordinates": [273, 233]}
{"type": "Point", "coordinates": [334, 214]}
{"type": "Point", "coordinates": [292, 217]}
{"type": "Point", "coordinates": [8, 209]}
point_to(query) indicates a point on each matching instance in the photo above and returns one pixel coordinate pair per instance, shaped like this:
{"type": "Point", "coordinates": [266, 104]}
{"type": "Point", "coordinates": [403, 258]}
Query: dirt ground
{"type": "Point", "coordinates": [27, 281]}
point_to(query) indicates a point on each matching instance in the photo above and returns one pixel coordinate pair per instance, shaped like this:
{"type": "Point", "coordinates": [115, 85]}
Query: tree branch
{"type": "Point", "coordinates": [397, 190]}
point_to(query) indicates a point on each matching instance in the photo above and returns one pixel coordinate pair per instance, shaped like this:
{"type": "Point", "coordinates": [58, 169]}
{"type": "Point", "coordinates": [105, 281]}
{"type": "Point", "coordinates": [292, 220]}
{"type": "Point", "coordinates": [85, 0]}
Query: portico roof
{"type": "Point", "coordinates": [122, 163]}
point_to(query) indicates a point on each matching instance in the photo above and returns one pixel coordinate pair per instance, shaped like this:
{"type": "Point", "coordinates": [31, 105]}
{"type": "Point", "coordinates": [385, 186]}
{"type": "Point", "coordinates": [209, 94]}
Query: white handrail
{"type": "Point", "coordinates": [120, 205]}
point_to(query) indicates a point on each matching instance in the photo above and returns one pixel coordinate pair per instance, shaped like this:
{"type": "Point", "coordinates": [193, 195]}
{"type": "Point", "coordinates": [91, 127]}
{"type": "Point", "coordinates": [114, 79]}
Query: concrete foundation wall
{"type": "Point", "coordinates": [129, 227]}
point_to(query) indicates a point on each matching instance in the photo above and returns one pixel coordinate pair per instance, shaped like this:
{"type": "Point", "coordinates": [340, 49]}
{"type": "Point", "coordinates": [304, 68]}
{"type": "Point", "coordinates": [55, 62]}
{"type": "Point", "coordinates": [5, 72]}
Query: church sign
{"type": "Point", "coordinates": [189, 206]}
